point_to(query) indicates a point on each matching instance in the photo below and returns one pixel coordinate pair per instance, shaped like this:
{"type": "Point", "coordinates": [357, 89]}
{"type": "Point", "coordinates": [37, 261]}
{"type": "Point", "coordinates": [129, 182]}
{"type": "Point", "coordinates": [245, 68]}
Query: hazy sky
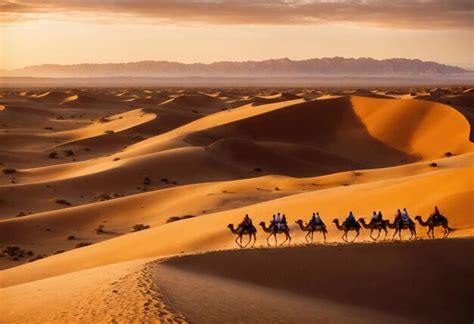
{"type": "Point", "coordinates": [73, 31]}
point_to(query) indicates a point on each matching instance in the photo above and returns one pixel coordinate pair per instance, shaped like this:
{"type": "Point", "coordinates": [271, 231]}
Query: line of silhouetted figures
{"type": "Point", "coordinates": [279, 225]}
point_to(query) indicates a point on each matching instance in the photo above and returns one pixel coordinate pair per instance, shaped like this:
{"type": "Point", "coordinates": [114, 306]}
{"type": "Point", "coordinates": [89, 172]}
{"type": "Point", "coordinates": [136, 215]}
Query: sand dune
{"type": "Point", "coordinates": [78, 159]}
{"type": "Point", "coordinates": [339, 284]}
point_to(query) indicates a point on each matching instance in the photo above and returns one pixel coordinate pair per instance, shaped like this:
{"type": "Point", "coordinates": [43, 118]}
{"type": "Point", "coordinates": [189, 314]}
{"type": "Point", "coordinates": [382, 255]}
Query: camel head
{"type": "Point", "coordinates": [299, 221]}
{"type": "Point", "coordinates": [230, 226]}
{"type": "Point", "coordinates": [262, 223]}
{"type": "Point", "coordinates": [335, 221]}
{"type": "Point", "coordinates": [361, 220]}
{"type": "Point", "coordinates": [418, 217]}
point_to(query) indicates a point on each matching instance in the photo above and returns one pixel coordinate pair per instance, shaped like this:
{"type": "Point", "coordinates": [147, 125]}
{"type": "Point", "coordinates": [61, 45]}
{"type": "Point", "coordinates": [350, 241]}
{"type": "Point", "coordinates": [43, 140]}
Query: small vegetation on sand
{"type": "Point", "coordinates": [61, 201]}
{"type": "Point", "coordinates": [139, 227]}
{"type": "Point", "coordinates": [178, 218]}
{"type": "Point", "coordinates": [53, 155]}
{"type": "Point", "coordinates": [8, 171]}
{"type": "Point", "coordinates": [82, 244]}
{"type": "Point", "coordinates": [15, 253]}
{"type": "Point", "coordinates": [99, 229]}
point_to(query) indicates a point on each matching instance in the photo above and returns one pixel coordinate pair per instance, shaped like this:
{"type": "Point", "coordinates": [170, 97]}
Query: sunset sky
{"type": "Point", "coordinates": [72, 31]}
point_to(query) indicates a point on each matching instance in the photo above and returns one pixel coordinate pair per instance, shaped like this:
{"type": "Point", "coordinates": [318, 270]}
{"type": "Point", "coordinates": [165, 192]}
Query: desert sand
{"type": "Point", "coordinates": [82, 167]}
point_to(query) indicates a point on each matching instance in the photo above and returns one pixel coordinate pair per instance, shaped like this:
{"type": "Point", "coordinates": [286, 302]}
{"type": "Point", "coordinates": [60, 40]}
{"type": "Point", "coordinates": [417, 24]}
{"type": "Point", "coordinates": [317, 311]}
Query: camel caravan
{"type": "Point", "coordinates": [279, 225]}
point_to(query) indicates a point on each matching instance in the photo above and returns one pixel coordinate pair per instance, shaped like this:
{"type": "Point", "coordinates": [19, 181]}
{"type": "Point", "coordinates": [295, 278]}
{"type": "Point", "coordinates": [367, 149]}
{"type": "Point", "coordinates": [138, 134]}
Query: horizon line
{"type": "Point", "coordinates": [241, 61]}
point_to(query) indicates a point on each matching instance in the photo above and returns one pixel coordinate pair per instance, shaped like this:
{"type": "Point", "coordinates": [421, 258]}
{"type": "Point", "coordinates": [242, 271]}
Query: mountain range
{"type": "Point", "coordinates": [336, 66]}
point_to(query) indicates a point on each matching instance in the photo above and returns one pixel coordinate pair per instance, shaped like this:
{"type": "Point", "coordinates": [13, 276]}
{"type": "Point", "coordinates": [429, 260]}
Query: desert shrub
{"type": "Point", "coordinates": [139, 227]}
{"type": "Point", "coordinates": [62, 202]}
{"type": "Point", "coordinates": [99, 229]}
{"type": "Point", "coordinates": [257, 170]}
{"type": "Point", "coordinates": [109, 132]}
{"type": "Point", "coordinates": [178, 218]}
{"type": "Point", "coordinates": [37, 257]}
{"type": "Point", "coordinates": [71, 237]}
{"type": "Point", "coordinates": [82, 244]}
{"type": "Point", "coordinates": [21, 214]}
{"type": "Point", "coordinates": [69, 153]}
{"type": "Point", "coordinates": [15, 252]}
{"type": "Point", "coordinates": [53, 155]}
{"type": "Point", "coordinates": [59, 251]}
{"type": "Point", "coordinates": [147, 180]}
{"type": "Point", "coordinates": [105, 119]}
{"type": "Point", "coordinates": [434, 165]}
{"type": "Point", "coordinates": [8, 171]}
{"type": "Point", "coordinates": [48, 128]}
{"type": "Point", "coordinates": [448, 154]}
{"type": "Point", "coordinates": [102, 197]}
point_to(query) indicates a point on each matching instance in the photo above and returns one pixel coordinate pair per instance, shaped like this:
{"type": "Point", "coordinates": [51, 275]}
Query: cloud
{"type": "Point", "coordinates": [404, 14]}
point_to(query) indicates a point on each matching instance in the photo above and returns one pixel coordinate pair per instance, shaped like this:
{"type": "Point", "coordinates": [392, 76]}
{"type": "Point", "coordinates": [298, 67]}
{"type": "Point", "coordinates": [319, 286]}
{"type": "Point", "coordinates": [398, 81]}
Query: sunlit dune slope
{"type": "Point", "coordinates": [414, 188]}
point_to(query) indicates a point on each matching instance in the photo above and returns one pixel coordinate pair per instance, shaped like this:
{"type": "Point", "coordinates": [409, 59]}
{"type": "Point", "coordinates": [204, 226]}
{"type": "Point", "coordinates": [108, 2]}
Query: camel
{"type": "Point", "coordinates": [273, 232]}
{"type": "Point", "coordinates": [240, 231]}
{"type": "Point", "coordinates": [311, 228]}
{"type": "Point", "coordinates": [375, 226]}
{"type": "Point", "coordinates": [431, 223]}
{"type": "Point", "coordinates": [398, 229]}
{"type": "Point", "coordinates": [353, 227]}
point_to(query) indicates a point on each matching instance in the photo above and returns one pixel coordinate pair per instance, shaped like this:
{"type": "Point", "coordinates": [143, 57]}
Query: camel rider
{"type": "Point", "coordinates": [277, 221]}
{"type": "Point", "coordinates": [379, 216]}
{"type": "Point", "coordinates": [405, 217]}
{"type": "Point", "coordinates": [374, 217]}
{"type": "Point", "coordinates": [245, 222]}
{"type": "Point", "coordinates": [315, 219]}
{"type": "Point", "coordinates": [273, 221]}
{"type": "Point", "coordinates": [436, 215]}
{"type": "Point", "coordinates": [398, 216]}
{"type": "Point", "coordinates": [283, 222]}
{"type": "Point", "coordinates": [350, 219]}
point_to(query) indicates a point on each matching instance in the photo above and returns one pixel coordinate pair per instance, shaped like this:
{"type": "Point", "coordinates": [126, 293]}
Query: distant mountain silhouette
{"type": "Point", "coordinates": [337, 66]}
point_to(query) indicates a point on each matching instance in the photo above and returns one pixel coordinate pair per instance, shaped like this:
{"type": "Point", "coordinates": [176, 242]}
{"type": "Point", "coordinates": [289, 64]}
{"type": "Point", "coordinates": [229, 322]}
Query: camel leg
{"type": "Point", "coordinates": [268, 242]}
{"type": "Point", "coordinates": [393, 237]}
{"type": "Point", "coordinates": [254, 239]}
{"type": "Point", "coordinates": [236, 241]}
{"type": "Point", "coordinates": [250, 239]}
{"type": "Point", "coordinates": [400, 234]}
{"type": "Point", "coordinates": [344, 236]}
{"type": "Point", "coordinates": [306, 236]}
{"type": "Point", "coordinates": [289, 238]}
{"type": "Point", "coordinates": [378, 235]}
{"type": "Point", "coordinates": [276, 239]}
{"type": "Point", "coordinates": [371, 231]}
{"type": "Point", "coordinates": [312, 236]}
{"type": "Point", "coordinates": [324, 235]}
{"type": "Point", "coordinates": [386, 232]}
{"type": "Point", "coordinates": [357, 235]}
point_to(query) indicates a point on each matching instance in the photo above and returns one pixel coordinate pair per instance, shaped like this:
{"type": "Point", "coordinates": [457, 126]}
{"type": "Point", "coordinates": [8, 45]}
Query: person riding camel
{"type": "Point", "coordinates": [398, 217]}
{"type": "Point", "coordinates": [245, 222]}
{"type": "Point", "coordinates": [375, 217]}
{"type": "Point", "coordinates": [315, 219]}
{"type": "Point", "coordinates": [283, 222]}
{"type": "Point", "coordinates": [273, 222]}
{"type": "Point", "coordinates": [437, 215]}
{"type": "Point", "coordinates": [406, 218]}
{"type": "Point", "coordinates": [379, 216]}
{"type": "Point", "coordinates": [277, 221]}
{"type": "Point", "coordinates": [350, 219]}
